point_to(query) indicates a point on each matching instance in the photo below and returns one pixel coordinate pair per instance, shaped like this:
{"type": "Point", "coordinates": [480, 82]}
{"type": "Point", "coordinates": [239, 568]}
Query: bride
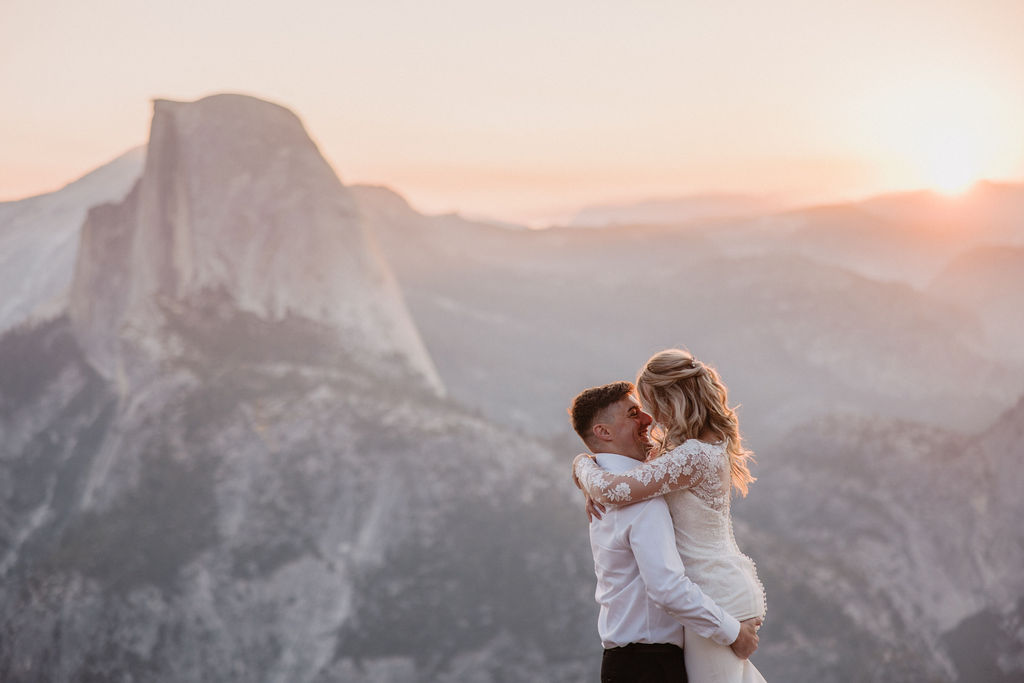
{"type": "Point", "coordinates": [697, 458]}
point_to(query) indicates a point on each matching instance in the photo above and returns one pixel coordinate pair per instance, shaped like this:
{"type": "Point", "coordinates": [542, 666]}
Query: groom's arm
{"type": "Point", "coordinates": [652, 540]}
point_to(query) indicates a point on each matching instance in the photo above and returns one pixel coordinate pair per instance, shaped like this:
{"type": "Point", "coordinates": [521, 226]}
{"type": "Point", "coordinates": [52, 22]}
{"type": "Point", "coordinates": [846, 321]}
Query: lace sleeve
{"type": "Point", "coordinates": [680, 468]}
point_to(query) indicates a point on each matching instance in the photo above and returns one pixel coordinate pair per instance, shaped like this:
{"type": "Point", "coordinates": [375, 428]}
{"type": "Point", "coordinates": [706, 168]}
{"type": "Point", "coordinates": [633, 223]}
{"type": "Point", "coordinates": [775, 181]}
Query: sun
{"type": "Point", "coordinates": [952, 149]}
{"type": "Point", "coordinates": [941, 131]}
{"type": "Point", "coordinates": [953, 164]}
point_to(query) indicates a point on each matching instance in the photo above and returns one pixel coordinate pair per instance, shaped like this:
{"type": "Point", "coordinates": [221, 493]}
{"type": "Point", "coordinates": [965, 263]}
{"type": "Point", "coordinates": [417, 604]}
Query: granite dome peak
{"type": "Point", "coordinates": [237, 203]}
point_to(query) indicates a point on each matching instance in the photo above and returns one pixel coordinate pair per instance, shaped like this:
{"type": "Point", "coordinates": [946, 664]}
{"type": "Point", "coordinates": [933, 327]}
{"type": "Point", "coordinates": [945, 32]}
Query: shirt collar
{"type": "Point", "coordinates": [615, 463]}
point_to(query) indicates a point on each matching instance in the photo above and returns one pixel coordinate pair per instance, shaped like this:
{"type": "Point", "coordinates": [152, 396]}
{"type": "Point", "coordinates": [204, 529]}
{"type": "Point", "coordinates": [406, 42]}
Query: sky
{"type": "Point", "coordinates": [528, 110]}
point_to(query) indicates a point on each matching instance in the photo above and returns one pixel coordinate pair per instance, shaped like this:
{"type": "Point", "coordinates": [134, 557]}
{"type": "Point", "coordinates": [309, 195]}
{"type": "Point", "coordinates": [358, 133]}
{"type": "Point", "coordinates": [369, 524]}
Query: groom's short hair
{"type": "Point", "coordinates": [590, 402]}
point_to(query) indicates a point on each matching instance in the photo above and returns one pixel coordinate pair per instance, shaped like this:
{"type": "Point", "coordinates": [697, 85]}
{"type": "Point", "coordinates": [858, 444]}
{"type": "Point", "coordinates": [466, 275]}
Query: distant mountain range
{"type": "Point", "coordinates": [673, 210]}
{"type": "Point", "coordinates": [258, 425]}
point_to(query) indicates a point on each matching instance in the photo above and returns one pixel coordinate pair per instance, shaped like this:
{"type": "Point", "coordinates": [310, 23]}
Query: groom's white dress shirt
{"type": "Point", "coordinates": [641, 583]}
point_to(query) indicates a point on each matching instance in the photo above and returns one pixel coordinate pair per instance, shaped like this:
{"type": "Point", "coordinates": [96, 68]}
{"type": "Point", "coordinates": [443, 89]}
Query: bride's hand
{"type": "Point", "coordinates": [594, 510]}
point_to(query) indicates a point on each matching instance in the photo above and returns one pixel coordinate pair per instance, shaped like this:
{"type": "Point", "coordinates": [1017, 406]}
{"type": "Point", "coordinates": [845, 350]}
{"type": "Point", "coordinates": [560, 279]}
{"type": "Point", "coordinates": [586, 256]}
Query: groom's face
{"type": "Point", "coordinates": [628, 425]}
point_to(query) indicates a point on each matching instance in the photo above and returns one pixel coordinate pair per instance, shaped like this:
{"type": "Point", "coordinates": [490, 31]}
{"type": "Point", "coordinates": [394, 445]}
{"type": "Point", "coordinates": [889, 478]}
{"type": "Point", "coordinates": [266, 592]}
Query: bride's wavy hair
{"type": "Point", "coordinates": [686, 398]}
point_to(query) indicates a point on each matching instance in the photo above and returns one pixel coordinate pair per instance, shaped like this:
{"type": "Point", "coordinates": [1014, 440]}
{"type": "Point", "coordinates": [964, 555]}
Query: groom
{"type": "Point", "coordinates": [643, 592]}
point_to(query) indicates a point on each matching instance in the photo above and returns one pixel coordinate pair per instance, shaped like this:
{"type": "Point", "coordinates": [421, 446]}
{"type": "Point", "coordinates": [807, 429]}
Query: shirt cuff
{"type": "Point", "coordinates": [728, 632]}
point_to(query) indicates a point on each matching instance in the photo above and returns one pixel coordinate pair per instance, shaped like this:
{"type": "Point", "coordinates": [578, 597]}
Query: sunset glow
{"type": "Point", "coordinates": [957, 140]}
{"type": "Point", "coordinates": [953, 158]}
{"type": "Point", "coordinates": [527, 112]}
{"type": "Point", "coordinates": [953, 170]}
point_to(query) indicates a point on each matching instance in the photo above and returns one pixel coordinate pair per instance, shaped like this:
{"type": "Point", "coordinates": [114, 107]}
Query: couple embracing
{"type": "Point", "coordinates": [676, 595]}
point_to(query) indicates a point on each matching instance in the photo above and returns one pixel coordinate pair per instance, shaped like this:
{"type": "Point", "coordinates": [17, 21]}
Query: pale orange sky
{"type": "Point", "coordinates": [526, 110]}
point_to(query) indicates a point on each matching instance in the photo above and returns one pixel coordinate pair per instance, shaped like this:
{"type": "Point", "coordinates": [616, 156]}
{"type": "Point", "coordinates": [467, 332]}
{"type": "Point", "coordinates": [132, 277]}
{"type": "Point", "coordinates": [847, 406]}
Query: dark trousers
{"type": "Point", "coordinates": [643, 663]}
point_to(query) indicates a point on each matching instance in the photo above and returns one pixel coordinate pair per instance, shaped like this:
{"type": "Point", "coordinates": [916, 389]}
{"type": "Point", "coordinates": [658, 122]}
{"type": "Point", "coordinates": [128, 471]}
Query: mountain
{"type": "Point", "coordinates": [987, 644]}
{"type": "Point", "coordinates": [847, 236]}
{"type": "Point", "coordinates": [279, 238]}
{"type": "Point", "coordinates": [905, 237]}
{"type": "Point", "coordinates": [910, 533]}
{"type": "Point", "coordinates": [39, 238]}
{"type": "Point", "coordinates": [989, 281]}
{"type": "Point", "coordinates": [672, 211]}
{"type": "Point", "coordinates": [214, 472]}
{"type": "Point", "coordinates": [987, 214]}
{"type": "Point", "coordinates": [567, 308]}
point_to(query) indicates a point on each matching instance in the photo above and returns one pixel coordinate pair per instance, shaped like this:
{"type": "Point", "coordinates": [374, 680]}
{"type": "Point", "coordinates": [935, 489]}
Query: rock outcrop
{"type": "Point", "coordinates": [237, 209]}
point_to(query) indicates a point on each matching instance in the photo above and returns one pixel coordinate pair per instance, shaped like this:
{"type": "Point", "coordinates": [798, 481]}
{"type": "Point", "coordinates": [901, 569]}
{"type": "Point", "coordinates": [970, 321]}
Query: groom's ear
{"type": "Point", "coordinates": [601, 432]}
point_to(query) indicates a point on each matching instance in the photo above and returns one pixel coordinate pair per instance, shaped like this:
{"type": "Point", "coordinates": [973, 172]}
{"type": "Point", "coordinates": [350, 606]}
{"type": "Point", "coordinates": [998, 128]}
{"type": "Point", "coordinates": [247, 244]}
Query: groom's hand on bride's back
{"type": "Point", "coordinates": [746, 642]}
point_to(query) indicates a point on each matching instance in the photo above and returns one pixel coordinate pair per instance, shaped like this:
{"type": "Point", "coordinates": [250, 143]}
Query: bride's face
{"type": "Point", "coordinates": [649, 407]}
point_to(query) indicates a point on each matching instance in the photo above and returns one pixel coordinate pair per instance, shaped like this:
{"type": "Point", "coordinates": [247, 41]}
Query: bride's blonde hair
{"type": "Point", "coordinates": [687, 398]}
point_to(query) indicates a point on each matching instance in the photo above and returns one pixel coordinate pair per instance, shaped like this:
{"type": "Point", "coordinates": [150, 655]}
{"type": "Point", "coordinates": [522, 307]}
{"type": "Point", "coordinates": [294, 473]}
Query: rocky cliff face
{"type": "Point", "coordinates": [235, 204]}
{"type": "Point", "coordinates": [241, 518]}
{"type": "Point", "coordinates": [905, 529]}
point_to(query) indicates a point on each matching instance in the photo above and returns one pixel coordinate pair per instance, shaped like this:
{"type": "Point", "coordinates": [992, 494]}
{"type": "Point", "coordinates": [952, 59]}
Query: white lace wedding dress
{"type": "Point", "coordinates": [695, 480]}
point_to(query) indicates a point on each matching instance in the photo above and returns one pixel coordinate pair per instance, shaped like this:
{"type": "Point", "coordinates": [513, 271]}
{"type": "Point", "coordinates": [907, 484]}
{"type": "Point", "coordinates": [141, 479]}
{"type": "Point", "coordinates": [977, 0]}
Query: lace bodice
{"type": "Point", "coordinates": [701, 467]}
